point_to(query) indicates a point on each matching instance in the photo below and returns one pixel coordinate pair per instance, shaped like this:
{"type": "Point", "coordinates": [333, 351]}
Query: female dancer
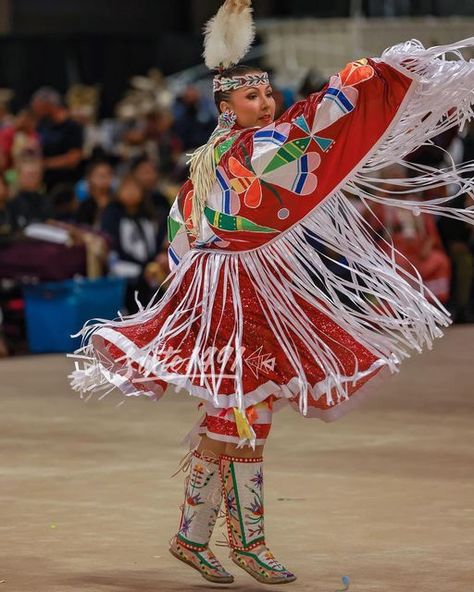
{"type": "Point", "coordinates": [279, 292]}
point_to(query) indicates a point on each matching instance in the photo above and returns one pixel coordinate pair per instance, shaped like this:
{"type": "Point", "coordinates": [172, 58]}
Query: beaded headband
{"type": "Point", "coordinates": [224, 83]}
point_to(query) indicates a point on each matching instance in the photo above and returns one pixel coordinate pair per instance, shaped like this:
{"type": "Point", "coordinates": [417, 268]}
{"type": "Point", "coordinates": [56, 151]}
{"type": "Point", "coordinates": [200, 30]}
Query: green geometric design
{"type": "Point", "coordinates": [233, 223]}
{"type": "Point", "coordinates": [237, 503]}
{"type": "Point", "coordinates": [173, 228]}
{"type": "Point", "coordinates": [223, 147]}
{"type": "Point", "coordinates": [288, 153]}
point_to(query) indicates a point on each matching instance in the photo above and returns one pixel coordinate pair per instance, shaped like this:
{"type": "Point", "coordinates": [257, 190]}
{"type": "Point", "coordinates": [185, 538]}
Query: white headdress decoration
{"type": "Point", "coordinates": [229, 34]}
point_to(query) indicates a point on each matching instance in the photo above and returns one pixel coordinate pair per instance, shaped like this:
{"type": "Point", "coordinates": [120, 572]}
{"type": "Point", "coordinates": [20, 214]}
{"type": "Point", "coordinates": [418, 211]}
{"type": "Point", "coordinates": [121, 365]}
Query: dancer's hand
{"type": "Point", "coordinates": [237, 6]}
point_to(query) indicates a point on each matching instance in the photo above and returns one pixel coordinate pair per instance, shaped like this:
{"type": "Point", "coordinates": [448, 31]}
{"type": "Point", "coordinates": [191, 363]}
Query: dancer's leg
{"type": "Point", "coordinates": [202, 500]}
{"type": "Point", "coordinates": [241, 471]}
{"type": "Point", "coordinates": [208, 444]}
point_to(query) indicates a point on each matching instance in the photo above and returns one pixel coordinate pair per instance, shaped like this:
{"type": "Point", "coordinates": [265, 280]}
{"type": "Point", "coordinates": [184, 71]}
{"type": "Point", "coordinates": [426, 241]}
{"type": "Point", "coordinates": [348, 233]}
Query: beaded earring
{"type": "Point", "coordinates": [227, 119]}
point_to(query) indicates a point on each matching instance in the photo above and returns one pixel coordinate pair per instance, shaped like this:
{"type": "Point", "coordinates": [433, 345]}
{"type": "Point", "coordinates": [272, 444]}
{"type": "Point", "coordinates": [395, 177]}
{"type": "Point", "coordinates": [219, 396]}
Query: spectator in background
{"type": "Point", "coordinates": [7, 229]}
{"type": "Point", "coordinates": [130, 223]}
{"type": "Point", "coordinates": [64, 204]}
{"type": "Point", "coordinates": [31, 203]}
{"type": "Point", "coordinates": [457, 237]}
{"type": "Point", "coordinates": [313, 82]}
{"type": "Point", "coordinates": [83, 104]}
{"type": "Point", "coordinates": [61, 138]}
{"type": "Point", "coordinates": [159, 128]}
{"type": "Point", "coordinates": [19, 140]}
{"type": "Point", "coordinates": [3, 344]}
{"type": "Point", "coordinates": [145, 172]}
{"type": "Point", "coordinates": [7, 221]}
{"type": "Point", "coordinates": [6, 118]}
{"type": "Point", "coordinates": [433, 153]}
{"type": "Point", "coordinates": [416, 238]}
{"type": "Point", "coordinates": [194, 118]}
{"type": "Point", "coordinates": [99, 177]}
{"type": "Point", "coordinates": [133, 141]}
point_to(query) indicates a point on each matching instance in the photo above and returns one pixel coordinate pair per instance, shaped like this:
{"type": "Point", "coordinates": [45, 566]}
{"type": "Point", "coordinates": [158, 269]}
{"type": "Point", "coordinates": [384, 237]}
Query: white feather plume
{"type": "Point", "coordinates": [229, 34]}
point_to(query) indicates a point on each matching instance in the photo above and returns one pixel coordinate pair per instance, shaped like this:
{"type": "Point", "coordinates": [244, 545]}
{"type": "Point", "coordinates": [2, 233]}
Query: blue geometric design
{"type": "Point", "coordinates": [323, 143]}
{"type": "Point", "coordinates": [226, 192]}
{"type": "Point", "coordinates": [173, 255]}
{"type": "Point", "coordinates": [300, 179]}
{"type": "Point", "coordinates": [338, 96]}
{"type": "Point", "coordinates": [271, 136]}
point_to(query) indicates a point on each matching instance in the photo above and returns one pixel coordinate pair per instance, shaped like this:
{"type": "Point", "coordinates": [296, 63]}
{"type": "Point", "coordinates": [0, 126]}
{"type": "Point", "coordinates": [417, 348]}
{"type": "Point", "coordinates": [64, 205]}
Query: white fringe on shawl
{"type": "Point", "coordinates": [375, 303]}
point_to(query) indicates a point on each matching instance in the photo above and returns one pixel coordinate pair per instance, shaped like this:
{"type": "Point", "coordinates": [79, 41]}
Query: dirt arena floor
{"type": "Point", "coordinates": [384, 496]}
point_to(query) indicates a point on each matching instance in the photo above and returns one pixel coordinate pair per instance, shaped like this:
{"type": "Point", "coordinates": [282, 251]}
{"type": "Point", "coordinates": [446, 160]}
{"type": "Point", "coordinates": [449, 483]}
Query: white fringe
{"type": "Point", "coordinates": [387, 310]}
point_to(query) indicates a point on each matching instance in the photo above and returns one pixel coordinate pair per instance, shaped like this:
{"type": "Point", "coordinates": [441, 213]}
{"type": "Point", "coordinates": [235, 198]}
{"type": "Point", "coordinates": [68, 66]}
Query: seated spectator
{"type": "Point", "coordinates": [83, 104]}
{"type": "Point", "coordinates": [3, 343]}
{"type": "Point", "coordinates": [457, 238]}
{"type": "Point", "coordinates": [6, 117]}
{"type": "Point", "coordinates": [61, 138]}
{"type": "Point", "coordinates": [31, 203]}
{"type": "Point", "coordinates": [19, 140]}
{"type": "Point", "coordinates": [159, 129]}
{"type": "Point", "coordinates": [194, 118]}
{"type": "Point", "coordinates": [99, 177]}
{"type": "Point", "coordinates": [7, 221]}
{"type": "Point", "coordinates": [313, 82]}
{"type": "Point", "coordinates": [130, 222]}
{"type": "Point", "coordinates": [64, 204]}
{"type": "Point", "coordinates": [145, 172]}
{"type": "Point", "coordinates": [416, 238]}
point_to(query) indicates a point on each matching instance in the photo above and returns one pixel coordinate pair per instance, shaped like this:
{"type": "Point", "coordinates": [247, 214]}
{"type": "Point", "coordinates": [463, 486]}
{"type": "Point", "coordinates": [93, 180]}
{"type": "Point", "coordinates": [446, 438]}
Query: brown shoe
{"type": "Point", "coordinates": [204, 561]}
{"type": "Point", "coordinates": [262, 566]}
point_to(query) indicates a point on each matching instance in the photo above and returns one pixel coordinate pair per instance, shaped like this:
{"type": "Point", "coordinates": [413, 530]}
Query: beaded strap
{"type": "Point", "coordinates": [190, 546]}
{"type": "Point", "coordinates": [223, 83]}
{"type": "Point", "coordinates": [241, 459]}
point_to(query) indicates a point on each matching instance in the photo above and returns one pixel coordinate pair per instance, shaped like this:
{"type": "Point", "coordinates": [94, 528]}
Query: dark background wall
{"type": "Point", "coordinates": [99, 16]}
{"type": "Point", "coordinates": [60, 42]}
{"type": "Point", "coordinates": [187, 16]}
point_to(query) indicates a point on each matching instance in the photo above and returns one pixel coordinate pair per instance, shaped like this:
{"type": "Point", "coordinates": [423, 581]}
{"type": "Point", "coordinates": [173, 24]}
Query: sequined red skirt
{"type": "Point", "coordinates": [262, 361]}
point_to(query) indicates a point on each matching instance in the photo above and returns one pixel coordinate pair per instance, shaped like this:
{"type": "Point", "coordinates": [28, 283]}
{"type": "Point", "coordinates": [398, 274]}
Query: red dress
{"type": "Point", "coordinates": [284, 291]}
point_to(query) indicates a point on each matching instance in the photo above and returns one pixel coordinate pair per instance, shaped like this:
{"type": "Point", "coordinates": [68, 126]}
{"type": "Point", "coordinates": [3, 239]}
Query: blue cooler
{"type": "Point", "coordinates": [56, 310]}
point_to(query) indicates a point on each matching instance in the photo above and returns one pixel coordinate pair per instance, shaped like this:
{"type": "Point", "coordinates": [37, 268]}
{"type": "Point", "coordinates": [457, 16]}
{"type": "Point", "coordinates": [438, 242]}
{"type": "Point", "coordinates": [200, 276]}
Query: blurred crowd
{"type": "Point", "coordinates": [84, 196]}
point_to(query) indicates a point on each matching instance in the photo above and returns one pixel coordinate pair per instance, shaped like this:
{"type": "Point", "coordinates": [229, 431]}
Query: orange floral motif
{"type": "Point", "coordinates": [356, 72]}
{"type": "Point", "coordinates": [246, 181]}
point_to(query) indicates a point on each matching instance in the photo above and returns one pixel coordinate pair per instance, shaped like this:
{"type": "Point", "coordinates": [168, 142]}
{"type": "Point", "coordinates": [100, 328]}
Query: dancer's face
{"type": "Point", "coordinates": [253, 105]}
